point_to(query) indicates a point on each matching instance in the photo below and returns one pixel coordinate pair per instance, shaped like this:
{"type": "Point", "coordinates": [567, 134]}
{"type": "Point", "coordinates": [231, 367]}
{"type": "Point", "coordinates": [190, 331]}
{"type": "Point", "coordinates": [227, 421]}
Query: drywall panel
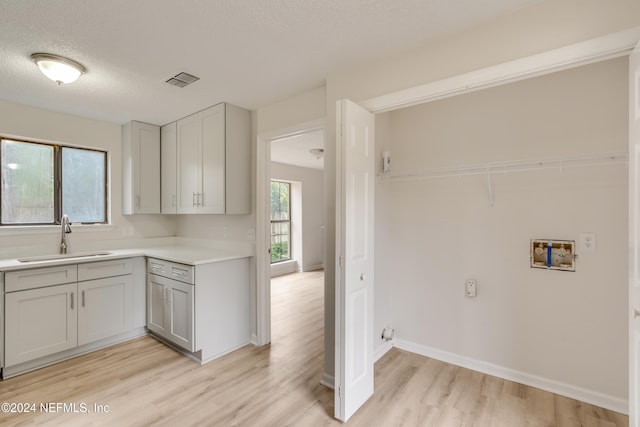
{"type": "Point", "coordinates": [561, 326]}
{"type": "Point", "coordinates": [303, 108]}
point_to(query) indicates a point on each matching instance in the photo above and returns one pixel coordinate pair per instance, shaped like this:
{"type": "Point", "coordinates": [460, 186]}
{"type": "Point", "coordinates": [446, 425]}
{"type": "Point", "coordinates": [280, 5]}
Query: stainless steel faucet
{"type": "Point", "coordinates": [66, 229]}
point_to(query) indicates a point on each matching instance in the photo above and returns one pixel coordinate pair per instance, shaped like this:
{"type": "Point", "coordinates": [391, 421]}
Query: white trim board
{"type": "Point", "coordinates": [382, 350]}
{"type": "Point", "coordinates": [308, 268]}
{"type": "Point", "coordinates": [547, 384]}
{"type": "Point", "coordinates": [587, 52]}
{"type": "Point", "coordinates": [328, 381]}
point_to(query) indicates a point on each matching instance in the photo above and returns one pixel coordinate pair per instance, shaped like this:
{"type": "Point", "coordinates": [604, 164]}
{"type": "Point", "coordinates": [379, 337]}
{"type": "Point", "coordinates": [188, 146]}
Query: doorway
{"type": "Point", "coordinates": [293, 160]}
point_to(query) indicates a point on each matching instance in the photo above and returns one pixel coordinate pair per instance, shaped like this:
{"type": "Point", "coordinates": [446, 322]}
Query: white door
{"type": "Point", "coordinates": [180, 310]}
{"type": "Point", "coordinates": [211, 198]}
{"type": "Point", "coordinates": [105, 308]}
{"type": "Point", "coordinates": [189, 163]}
{"type": "Point", "coordinates": [146, 155]}
{"type": "Point", "coordinates": [634, 237]}
{"type": "Point", "coordinates": [168, 169]}
{"type": "Point", "coordinates": [156, 305]}
{"type": "Point", "coordinates": [40, 322]}
{"type": "Point", "coordinates": [354, 240]}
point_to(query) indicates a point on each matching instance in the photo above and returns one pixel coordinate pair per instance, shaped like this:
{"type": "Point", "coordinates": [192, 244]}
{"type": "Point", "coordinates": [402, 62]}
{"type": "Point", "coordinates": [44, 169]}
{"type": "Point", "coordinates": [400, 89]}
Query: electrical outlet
{"type": "Point", "coordinates": [588, 242]}
{"type": "Point", "coordinates": [470, 288]}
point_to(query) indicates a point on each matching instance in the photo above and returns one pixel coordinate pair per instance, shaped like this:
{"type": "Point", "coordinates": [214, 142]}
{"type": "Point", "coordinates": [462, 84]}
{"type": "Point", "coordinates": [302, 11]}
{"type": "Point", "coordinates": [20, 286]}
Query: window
{"type": "Point", "coordinates": [280, 221]}
{"type": "Point", "coordinates": [41, 182]}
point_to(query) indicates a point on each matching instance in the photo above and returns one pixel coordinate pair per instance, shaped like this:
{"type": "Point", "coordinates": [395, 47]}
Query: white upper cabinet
{"type": "Point", "coordinates": [168, 169]}
{"type": "Point", "coordinates": [140, 168]}
{"type": "Point", "coordinates": [213, 153]}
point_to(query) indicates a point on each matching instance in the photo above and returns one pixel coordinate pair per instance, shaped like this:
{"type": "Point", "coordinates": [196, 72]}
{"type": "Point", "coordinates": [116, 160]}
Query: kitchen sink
{"type": "Point", "coordinates": [63, 256]}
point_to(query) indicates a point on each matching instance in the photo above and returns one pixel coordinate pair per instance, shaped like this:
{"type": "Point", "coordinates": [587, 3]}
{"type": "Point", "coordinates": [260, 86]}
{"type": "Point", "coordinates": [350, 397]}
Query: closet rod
{"type": "Point", "coordinates": [508, 167]}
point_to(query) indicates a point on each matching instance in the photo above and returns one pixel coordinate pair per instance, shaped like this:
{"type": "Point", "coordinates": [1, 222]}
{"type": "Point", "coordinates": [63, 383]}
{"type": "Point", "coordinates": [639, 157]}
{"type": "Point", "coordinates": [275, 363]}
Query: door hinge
{"type": "Point", "coordinates": [340, 391]}
{"type": "Point", "coordinates": [340, 260]}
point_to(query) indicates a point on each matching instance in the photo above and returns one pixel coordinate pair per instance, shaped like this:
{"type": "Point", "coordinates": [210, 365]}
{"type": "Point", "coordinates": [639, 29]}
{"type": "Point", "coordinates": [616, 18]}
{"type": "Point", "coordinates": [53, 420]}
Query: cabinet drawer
{"type": "Point", "coordinates": [102, 269]}
{"type": "Point", "coordinates": [39, 277]}
{"type": "Point", "coordinates": [172, 270]}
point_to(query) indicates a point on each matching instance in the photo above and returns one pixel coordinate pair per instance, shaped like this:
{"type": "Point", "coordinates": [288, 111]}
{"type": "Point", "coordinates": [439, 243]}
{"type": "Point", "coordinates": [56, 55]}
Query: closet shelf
{"type": "Point", "coordinates": [509, 167]}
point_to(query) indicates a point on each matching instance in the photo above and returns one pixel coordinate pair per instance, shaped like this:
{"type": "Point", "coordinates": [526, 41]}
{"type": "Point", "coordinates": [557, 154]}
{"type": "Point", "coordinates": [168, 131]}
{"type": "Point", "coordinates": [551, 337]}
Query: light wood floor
{"type": "Point", "coordinates": [145, 383]}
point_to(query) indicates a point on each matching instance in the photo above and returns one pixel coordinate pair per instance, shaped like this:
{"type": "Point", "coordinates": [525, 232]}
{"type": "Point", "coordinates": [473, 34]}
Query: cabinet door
{"type": "Point", "coordinates": [40, 322]}
{"type": "Point", "coordinates": [146, 154]}
{"type": "Point", "coordinates": [168, 169]}
{"type": "Point", "coordinates": [141, 168]}
{"type": "Point", "coordinates": [170, 310]}
{"type": "Point", "coordinates": [156, 304]}
{"type": "Point", "coordinates": [212, 199]}
{"type": "Point", "coordinates": [180, 309]}
{"type": "Point", "coordinates": [189, 163]}
{"type": "Point", "coordinates": [105, 308]}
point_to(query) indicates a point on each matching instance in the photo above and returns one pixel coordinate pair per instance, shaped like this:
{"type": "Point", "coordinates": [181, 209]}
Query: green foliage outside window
{"type": "Point", "coordinates": [280, 221]}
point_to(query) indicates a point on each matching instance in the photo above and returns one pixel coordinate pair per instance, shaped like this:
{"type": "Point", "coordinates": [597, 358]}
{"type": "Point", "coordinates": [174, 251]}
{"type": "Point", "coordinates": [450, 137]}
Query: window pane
{"type": "Point", "coordinates": [280, 200]}
{"type": "Point", "coordinates": [280, 221]}
{"type": "Point", "coordinates": [27, 183]}
{"type": "Point", "coordinates": [83, 185]}
{"type": "Point", "coordinates": [280, 241]}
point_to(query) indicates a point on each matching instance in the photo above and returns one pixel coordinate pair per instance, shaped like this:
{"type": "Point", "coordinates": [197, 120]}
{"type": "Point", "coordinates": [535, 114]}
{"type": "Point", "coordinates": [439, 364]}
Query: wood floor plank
{"type": "Point", "coordinates": [143, 383]}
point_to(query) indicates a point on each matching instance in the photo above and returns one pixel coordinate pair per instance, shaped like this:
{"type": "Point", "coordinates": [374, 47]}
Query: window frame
{"type": "Point", "coordinates": [279, 221]}
{"type": "Point", "coordinates": [57, 183]}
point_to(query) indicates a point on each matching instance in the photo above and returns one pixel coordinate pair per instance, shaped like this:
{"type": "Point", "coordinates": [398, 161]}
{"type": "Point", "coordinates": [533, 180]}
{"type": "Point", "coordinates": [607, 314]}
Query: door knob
{"type": "Point", "coordinates": [636, 313]}
{"type": "Point", "coordinates": [363, 276]}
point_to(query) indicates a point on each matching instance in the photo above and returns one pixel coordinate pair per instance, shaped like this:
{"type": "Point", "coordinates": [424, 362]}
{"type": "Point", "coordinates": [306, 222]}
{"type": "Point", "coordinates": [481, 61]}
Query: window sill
{"type": "Point", "coordinates": [9, 230]}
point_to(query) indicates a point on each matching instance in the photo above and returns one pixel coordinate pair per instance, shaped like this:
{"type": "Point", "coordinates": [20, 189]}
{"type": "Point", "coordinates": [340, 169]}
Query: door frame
{"type": "Point", "coordinates": [263, 217]}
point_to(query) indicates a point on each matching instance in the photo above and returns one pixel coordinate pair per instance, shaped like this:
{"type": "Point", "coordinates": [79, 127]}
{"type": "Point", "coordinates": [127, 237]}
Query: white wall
{"type": "Point", "coordinates": [39, 124]}
{"type": "Point", "coordinates": [311, 223]}
{"type": "Point", "coordinates": [303, 108]}
{"type": "Point", "coordinates": [569, 328]}
{"type": "Point", "coordinates": [539, 28]}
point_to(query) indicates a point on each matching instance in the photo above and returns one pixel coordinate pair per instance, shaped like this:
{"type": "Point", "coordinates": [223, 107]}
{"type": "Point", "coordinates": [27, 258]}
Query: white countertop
{"type": "Point", "coordinates": [190, 255]}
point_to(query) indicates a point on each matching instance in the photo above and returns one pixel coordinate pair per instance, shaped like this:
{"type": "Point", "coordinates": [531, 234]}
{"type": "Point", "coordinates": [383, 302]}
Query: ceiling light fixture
{"type": "Point", "coordinates": [317, 152]}
{"type": "Point", "coordinates": [58, 68]}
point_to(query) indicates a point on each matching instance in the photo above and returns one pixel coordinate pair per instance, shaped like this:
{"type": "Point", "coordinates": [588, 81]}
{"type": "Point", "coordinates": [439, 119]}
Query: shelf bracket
{"type": "Point", "coordinates": [490, 189]}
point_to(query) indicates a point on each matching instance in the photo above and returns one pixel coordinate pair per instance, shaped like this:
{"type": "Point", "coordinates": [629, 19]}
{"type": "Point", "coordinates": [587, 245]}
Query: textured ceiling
{"type": "Point", "coordinates": [247, 52]}
{"type": "Point", "coordinates": [294, 150]}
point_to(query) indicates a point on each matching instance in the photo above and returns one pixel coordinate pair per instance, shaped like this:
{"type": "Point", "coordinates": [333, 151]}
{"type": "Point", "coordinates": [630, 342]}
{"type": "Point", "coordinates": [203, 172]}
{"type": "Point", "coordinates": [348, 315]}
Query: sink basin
{"type": "Point", "coordinates": [63, 256]}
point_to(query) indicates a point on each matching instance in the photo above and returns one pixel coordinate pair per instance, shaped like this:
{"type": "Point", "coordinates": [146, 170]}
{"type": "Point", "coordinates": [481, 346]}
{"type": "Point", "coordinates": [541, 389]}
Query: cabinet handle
{"type": "Point", "coordinates": [138, 201]}
{"type": "Point", "coordinates": [71, 300]}
{"type": "Point", "coordinates": [193, 199]}
{"type": "Point", "coordinates": [82, 298]}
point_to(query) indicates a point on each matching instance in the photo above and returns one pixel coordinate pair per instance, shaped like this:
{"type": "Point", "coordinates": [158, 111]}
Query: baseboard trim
{"type": "Point", "coordinates": [327, 380]}
{"type": "Point", "coordinates": [306, 269]}
{"type": "Point", "coordinates": [254, 339]}
{"type": "Point", "coordinates": [589, 396]}
{"type": "Point", "coordinates": [382, 350]}
{"type": "Point", "coordinates": [284, 267]}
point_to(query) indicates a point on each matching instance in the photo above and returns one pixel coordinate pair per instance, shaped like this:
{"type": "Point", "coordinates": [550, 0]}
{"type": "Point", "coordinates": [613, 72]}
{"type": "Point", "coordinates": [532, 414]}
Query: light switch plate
{"type": "Point", "coordinates": [587, 242]}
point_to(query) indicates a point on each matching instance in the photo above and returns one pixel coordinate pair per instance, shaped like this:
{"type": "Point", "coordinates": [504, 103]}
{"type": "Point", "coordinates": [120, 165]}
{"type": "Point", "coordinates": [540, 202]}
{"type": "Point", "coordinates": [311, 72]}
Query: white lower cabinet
{"type": "Point", "coordinates": [105, 308]}
{"type": "Point", "coordinates": [204, 309]}
{"type": "Point", "coordinates": [45, 316]}
{"type": "Point", "coordinates": [170, 305]}
{"type": "Point", "coordinates": [40, 322]}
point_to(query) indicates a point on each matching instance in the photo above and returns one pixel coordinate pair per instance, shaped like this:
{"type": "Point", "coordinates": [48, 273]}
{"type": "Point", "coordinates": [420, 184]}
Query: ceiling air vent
{"type": "Point", "coordinates": [182, 79]}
